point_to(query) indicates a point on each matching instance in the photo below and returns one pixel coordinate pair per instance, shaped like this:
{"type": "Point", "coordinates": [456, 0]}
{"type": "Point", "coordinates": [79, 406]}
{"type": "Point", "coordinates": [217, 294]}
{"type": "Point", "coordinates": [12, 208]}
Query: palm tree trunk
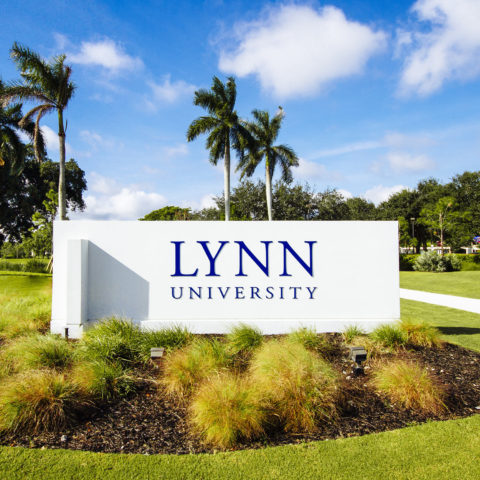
{"type": "Point", "coordinates": [62, 201]}
{"type": "Point", "coordinates": [226, 166]}
{"type": "Point", "coordinates": [268, 188]}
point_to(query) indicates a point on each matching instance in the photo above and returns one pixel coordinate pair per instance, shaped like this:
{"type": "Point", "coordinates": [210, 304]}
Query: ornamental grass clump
{"type": "Point", "coordinates": [102, 380]}
{"type": "Point", "coordinates": [38, 400]}
{"type": "Point", "coordinates": [421, 334]}
{"type": "Point", "coordinates": [410, 386]}
{"type": "Point", "coordinates": [294, 385]}
{"type": "Point", "coordinates": [113, 339]}
{"type": "Point", "coordinates": [311, 340]}
{"type": "Point", "coordinates": [389, 336]}
{"type": "Point", "coordinates": [225, 410]}
{"type": "Point", "coordinates": [36, 351]}
{"type": "Point", "coordinates": [169, 338]}
{"type": "Point", "coordinates": [244, 339]}
{"type": "Point", "coordinates": [186, 368]}
{"type": "Point", "coordinates": [352, 332]}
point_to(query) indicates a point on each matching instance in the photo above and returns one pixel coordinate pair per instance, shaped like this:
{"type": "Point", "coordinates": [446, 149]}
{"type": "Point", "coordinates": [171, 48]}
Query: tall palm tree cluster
{"type": "Point", "coordinates": [48, 85]}
{"type": "Point", "coordinates": [253, 141]}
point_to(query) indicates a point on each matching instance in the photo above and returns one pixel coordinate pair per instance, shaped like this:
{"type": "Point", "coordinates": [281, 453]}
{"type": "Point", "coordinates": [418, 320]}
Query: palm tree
{"type": "Point", "coordinates": [265, 131]}
{"type": "Point", "coordinates": [12, 149]}
{"type": "Point", "coordinates": [225, 129]}
{"type": "Point", "coordinates": [49, 84]}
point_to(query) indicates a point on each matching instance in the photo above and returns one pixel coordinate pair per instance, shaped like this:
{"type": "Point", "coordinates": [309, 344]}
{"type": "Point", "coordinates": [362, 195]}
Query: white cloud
{"type": "Point", "coordinates": [106, 199]}
{"type": "Point", "coordinates": [308, 170]}
{"type": "Point", "coordinates": [449, 50]}
{"type": "Point", "coordinates": [297, 50]}
{"type": "Point", "coordinates": [379, 193]}
{"type": "Point", "coordinates": [345, 193]}
{"type": "Point", "coordinates": [96, 140]}
{"type": "Point", "coordinates": [178, 150]}
{"type": "Point", "coordinates": [168, 91]}
{"type": "Point", "coordinates": [51, 140]}
{"type": "Point", "coordinates": [107, 54]}
{"type": "Point", "coordinates": [348, 148]}
{"type": "Point", "coordinates": [404, 162]}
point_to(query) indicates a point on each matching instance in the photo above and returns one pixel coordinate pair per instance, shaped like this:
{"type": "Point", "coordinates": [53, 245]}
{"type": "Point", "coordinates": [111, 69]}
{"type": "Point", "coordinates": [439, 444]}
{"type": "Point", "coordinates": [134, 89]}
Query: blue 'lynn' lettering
{"type": "Point", "coordinates": [264, 266]}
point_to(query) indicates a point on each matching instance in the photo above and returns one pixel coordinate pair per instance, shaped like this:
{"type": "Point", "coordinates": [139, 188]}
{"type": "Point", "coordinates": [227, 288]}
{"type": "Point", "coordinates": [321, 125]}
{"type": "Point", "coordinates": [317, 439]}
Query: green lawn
{"type": "Point", "coordinates": [436, 450]}
{"type": "Point", "coordinates": [463, 284]}
{"type": "Point", "coordinates": [24, 284]}
{"type": "Point", "coordinates": [457, 326]}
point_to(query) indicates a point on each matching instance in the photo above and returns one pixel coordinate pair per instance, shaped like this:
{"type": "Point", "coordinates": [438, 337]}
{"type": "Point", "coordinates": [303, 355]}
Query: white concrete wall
{"type": "Point", "coordinates": [126, 269]}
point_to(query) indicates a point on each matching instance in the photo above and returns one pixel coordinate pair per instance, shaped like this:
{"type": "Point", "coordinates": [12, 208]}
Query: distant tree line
{"type": "Point", "coordinates": [430, 213]}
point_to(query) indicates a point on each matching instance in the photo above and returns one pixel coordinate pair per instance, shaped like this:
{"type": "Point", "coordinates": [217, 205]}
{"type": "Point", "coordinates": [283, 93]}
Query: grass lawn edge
{"type": "Point", "coordinates": [448, 449]}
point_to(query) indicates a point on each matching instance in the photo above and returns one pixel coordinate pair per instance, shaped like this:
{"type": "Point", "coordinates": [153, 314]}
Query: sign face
{"type": "Point", "coordinates": [210, 275]}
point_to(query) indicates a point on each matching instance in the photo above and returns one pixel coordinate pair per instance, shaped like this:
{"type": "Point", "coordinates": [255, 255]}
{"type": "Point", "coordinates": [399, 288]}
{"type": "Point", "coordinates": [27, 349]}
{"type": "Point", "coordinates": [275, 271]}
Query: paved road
{"type": "Point", "coordinates": [461, 303]}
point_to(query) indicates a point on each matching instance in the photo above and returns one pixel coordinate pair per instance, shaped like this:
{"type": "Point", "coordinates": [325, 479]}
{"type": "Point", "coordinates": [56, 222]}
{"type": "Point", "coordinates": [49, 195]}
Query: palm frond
{"type": "Point", "coordinates": [201, 125]}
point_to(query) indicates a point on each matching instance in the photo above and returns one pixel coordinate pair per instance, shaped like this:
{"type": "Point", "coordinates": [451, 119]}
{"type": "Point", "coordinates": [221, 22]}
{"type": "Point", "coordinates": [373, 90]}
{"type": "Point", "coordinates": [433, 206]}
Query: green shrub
{"type": "Point", "coordinates": [38, 400]}
{"type": "Point", "coordinates": [421, 334]}
{"type": "Point", "coordinates": [225, 410]}
{"type": "Point", "coordinates": [5, 265]}
{"type": "Point", "coordinates": [244, 338]}
{"type": "Point", "coordinates": [37, 351]}
{"type": "Point", "coordinates": [434, 262]}
{"type": "Point", "coordinates": [35, 265]}
{"type": "Point", "coordinates": [101, 379]}
{"type": "Point", "coordinates": [390, 336]}
{"type": "Point", "coordinates": [351, 332]}
{"type": "Point", "coordinates": [470, 262]}
{"type": "Point", "coordinates": [294, 384]}
{"type": "Point", "coordinates": [409, 385]}
{"type": "Point", "coordinates": [407, 261]}
{"type": "Point", "coordinates": [186, 368]}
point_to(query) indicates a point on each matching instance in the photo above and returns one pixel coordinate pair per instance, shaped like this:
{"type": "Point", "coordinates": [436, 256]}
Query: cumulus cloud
{"type": "Point", "coordinates": [106, 199]}
{"type": "Point", "coordinates": [107, 54]}
{"type": "Point", "coordinates": [345, 193]}
{"type": "Point", "coordinates": [380, 193]}
{"type": "Point", "coordinates": [449, 50]}
{"type": "Point", "coordinates": [296, 50]}
{"type": "Point", "coordinates": [51, 140]}
{"type": "Point", "coordinates": [404, 162]}
{"type": "Point", "coordinates": [311, 171]}
{"type": "Point", "coordinates": [167, 91]}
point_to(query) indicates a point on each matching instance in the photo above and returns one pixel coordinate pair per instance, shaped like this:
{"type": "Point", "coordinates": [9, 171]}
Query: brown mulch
{"type": "Point", "coordinates": [151, 423]}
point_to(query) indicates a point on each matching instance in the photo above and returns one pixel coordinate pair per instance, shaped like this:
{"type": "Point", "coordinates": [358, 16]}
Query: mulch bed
{"type": "Point", "coordinates": [151, 423]}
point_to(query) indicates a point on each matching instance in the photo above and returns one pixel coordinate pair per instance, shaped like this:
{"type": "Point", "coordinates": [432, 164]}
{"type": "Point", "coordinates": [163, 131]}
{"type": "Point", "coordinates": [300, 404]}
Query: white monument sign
{"type": "Point", "coordinates": [210, 275]}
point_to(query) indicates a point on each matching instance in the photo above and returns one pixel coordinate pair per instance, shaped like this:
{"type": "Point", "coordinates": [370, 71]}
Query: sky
{"type": "Point", "coordinates": [377, 95]}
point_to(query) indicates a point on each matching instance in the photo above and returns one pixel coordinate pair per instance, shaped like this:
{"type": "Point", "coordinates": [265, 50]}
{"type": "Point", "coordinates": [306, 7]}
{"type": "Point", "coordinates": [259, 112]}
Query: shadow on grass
{"type": "Point", "coordinates": [459, 330]}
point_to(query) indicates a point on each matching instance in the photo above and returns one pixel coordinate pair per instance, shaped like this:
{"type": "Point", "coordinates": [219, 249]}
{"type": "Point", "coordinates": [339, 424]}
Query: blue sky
{"type": "Point", "coordinates": [377, 94]}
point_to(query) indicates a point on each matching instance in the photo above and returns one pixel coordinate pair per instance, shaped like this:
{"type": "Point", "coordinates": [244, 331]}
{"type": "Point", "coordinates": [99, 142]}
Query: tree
{"type": "Point", "coordinates": [49, 85]}
{"type": "Point", "coordinates": [223, 125]}
{"type": "Point", "coordinates": [22, 195]}
{"type": "Point", "coordinates": [265, 131]}
{"type": "Point", "coordinates": [168, 213]}
{"type": "Point", "coordinates": [40, 240]}
{"type": "Point", "coordinates": [12, 149]}
{"type": "Point", "coordinates": [442, 216]}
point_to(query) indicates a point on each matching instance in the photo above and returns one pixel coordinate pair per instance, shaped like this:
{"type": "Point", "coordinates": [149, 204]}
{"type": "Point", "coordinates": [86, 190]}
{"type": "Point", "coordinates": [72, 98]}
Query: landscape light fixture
{"type": "Point", "coordinates": [358, 355]}
{"type": "Point", "coordinates": [156, 354]}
